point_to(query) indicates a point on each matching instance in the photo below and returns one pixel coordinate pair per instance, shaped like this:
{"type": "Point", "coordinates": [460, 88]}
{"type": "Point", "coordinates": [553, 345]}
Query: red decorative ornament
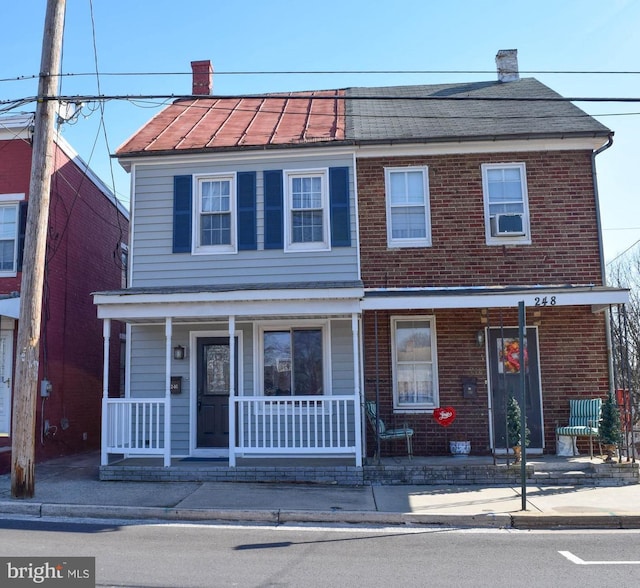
{"type": "Point", "coordinates": [444, 415]}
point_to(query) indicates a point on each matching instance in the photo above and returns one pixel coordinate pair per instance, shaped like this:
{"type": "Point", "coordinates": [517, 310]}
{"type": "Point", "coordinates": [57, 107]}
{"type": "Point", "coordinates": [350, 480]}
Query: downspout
{"type": "Point", "coordinates": [594, 175]}
{"type": "Point", "coordinates": [603, 270]}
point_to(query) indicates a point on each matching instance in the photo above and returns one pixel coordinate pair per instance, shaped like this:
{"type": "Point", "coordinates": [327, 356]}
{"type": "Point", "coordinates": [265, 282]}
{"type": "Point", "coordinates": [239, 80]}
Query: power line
{"type": "Point", "coordinates": [333, 72]}
{"type": "Point", "coordinates": [625, 251]}
{"type": "Point", "coordinates": [311, 96]}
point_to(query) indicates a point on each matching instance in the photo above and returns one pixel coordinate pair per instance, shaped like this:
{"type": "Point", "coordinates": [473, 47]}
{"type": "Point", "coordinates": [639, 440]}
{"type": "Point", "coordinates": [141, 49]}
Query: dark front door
{"type": "Point", "coordinates": [212, 396]}
{"type": "Point", "coordinates": [504, 377]}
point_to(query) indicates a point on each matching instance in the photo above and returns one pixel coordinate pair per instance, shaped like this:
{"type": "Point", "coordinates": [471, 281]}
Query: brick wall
{"type": "Point", "coordinates": [564, 245]}
{"type": "Point", "coordinates": [573, 363]}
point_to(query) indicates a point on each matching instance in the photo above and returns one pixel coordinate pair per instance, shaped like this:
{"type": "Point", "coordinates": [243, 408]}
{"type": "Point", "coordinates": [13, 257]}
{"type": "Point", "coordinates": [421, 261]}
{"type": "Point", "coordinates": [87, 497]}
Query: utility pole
{"type": "Point", "coordinates": [23, 428]}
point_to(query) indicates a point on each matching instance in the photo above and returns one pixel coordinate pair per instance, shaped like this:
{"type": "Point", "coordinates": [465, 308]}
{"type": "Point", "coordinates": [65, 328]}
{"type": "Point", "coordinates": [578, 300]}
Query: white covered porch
{"type": "Point", "coordinates": [288, 426]}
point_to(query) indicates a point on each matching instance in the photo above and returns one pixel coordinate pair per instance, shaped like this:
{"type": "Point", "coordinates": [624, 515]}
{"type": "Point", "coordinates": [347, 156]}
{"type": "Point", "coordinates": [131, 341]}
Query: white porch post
{"type": "Point", "coordinates": [106, 334]}
{"type": "Point", "coordinates": [232, 392]}
{"type": "Point", "coordinates": [168, 330]}
{"type": "Point", "coordinates": [356, 389]}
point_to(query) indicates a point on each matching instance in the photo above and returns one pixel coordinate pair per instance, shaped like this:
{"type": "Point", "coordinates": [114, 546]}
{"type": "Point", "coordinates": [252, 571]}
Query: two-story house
{"type": "Point", "coordinates": [294, 254]}
{"type": "Point", "coordinates": [87, 233]}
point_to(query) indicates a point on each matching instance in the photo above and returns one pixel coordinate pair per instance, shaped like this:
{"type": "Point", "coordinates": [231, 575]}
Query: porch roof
{"type": "Point", "coordinates": [598, 297]}
{"type": "Point", "coordinates": [194, 303]}
{"type": "Point", "coordinates": [10, 306]}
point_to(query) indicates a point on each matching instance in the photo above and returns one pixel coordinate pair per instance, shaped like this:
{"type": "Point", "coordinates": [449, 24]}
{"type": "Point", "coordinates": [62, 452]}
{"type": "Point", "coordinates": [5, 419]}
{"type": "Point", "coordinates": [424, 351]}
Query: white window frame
{"type": "Point", "coordinates": [13, 200]}
{"type": "Point", "coordinates": [408, 242]}
{"type": "Point", "coordinates": [325, 244]}
{"type": "Point", "coordinates": [265, 327]}
{"type": "Point", "coordinates": [424, 407]}
{"type": "Point", "coordinates": [524, 239]}
{"type": "Point", "coordinates": [231, 247]}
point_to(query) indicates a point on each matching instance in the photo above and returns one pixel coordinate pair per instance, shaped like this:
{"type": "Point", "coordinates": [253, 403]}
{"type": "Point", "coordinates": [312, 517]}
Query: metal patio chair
{"type": "Point", "coordinates": [385, 434]}
{"type": "Point", "coordinates": [584, 420]}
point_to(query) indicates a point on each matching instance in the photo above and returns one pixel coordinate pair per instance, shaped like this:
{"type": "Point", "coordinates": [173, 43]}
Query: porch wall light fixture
{"type": "Point", "coordinates": [480, 338]}
{"type": "Point", "coordinates": [178, 352]}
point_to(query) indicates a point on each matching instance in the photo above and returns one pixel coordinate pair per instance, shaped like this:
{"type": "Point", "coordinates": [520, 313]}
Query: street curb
{"type": "Point", "coordinates": [493, 520]}
{"type": "Point", "coordinates": [159, 513]}
{"type": "Point", "coordinates": [274, 517]}
{"type": "Point", "coordinates": [539, 521]}
{"type": "Point", "coordinates": [589, 521]}
{"type": "Point", "coordinates": [21, 508]}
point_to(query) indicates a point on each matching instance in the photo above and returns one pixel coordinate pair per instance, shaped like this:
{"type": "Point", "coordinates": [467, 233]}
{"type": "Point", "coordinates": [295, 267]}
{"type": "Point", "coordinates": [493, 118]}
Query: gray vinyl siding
{"type": "Point", "coordinates": [341, 358]}
{"type": "Point", "coordinates": [154, 264]}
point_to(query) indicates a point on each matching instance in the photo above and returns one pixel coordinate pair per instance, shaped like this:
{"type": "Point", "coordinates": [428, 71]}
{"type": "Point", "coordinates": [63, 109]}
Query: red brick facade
{"type": "Point", "coordinates": [564, 247]}
{"type": "Point", "coordinates": [564, 250]}
{"type": "Point", "coordinates": [83, 256]}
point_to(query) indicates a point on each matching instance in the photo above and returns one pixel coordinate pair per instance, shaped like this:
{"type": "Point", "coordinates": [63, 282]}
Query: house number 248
{"type": "Point", "coordinates": [545, 301]}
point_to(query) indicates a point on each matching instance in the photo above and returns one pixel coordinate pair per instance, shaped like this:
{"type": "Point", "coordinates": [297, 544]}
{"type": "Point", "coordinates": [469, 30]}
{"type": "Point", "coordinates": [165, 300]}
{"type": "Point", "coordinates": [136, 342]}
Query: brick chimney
{"type": "Point", "coordinates": [507, 64]}
{"type": "Point", "coordinates": [202, 75]}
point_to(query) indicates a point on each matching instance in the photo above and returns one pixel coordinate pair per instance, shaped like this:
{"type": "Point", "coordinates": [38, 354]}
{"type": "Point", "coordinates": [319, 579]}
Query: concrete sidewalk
{"type": "Point", "coordinates": [69, 487]}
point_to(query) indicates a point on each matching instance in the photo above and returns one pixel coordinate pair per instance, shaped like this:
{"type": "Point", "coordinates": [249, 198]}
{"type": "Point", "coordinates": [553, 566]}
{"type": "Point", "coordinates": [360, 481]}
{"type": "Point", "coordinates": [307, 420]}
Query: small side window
{"type": "Point", "coordinates": [9, 233]}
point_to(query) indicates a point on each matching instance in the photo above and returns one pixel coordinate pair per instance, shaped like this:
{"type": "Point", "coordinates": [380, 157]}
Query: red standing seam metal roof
{"type": "Point", "coordinates": [216, 122]}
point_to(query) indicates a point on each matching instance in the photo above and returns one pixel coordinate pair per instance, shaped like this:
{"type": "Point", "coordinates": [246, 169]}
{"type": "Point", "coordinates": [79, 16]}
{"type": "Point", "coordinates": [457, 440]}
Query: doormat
{"type": "Point", "coordinates": [205, 459]}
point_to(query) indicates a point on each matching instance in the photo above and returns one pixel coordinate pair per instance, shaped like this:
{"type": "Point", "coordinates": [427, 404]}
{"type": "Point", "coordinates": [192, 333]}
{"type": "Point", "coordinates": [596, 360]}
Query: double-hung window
{"type": "Point", "coordinates": [415, 377]}
{"type": "Point", "coordinates": [307, 215]}
{"type": "Point", "coordinates": [506, 205]}
{"type": "Point", "coordinates": [408, 216]}
{"type": "Point", "coordinates": [8, 234]}
{"type": "Point", "coordinates": [215, 218]}
{"type": "Point", "coordinates": [293, 361]}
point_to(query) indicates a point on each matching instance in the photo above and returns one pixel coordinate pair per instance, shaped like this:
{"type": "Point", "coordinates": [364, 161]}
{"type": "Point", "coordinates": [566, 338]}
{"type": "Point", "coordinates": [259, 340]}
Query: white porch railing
{"type": "Point", "coordinates": [134, 426]}
{"type": "Point", "coordinates": [265, 425]}
{"type": "Point", "coordinates": [297, 424]}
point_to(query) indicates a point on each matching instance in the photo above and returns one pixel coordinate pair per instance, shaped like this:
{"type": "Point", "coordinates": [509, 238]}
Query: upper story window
{"type": "Point", "coordinates": [215, 218]}
{"type": "Point", "coordinates": [506, 206]}
{"type": "Point", "coordinates": [415, 374]}
{"type": "Point", "coordinates": [9, 218]}
{"type": "Point", "coordinates": [307, 211]}
{"type": "Point", "coordinates": [408, 216]}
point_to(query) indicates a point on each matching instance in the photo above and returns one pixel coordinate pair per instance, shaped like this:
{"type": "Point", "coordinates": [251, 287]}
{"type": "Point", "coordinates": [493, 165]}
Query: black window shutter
{"type": "Point", "coordinates": [273, 210]}
{"type": "Point", "coordinates": [339, 205]}
{"type": "Point", "coordinates": [182, 196]}
{"type": "Point", "coordinates": [246, 197]}
{"type": "Point", "coordinates": [22, 229]}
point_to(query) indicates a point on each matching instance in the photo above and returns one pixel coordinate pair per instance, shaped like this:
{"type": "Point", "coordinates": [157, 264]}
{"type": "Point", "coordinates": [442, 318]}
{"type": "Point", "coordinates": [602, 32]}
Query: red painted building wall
{"type": "Point", "coordinates": [83, 256]}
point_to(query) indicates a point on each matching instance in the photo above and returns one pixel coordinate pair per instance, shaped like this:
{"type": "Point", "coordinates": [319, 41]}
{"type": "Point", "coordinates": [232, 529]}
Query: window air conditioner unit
{"type": "Point", "coordinates": [507, 225]}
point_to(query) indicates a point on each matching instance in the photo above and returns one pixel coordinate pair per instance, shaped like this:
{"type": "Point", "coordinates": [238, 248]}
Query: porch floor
{"type": "Point", "coordinates": [545, 470]}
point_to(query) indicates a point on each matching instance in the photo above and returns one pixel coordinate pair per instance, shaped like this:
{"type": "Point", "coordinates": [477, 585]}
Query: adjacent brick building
{"type": "Point", "coordinates": [87, 237]}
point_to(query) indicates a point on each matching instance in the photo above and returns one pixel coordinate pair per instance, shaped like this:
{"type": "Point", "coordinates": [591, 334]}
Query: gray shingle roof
{"type": "Point", "coordinates": [399, 115]}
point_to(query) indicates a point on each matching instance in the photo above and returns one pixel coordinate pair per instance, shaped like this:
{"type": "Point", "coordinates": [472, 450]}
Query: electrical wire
{"type": "Point", "coordinates": [349, 72]}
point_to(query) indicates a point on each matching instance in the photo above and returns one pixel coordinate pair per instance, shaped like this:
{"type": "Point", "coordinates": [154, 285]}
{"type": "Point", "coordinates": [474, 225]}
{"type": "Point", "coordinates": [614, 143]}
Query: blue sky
{"type": "Point", "coordinates": [158, 36]}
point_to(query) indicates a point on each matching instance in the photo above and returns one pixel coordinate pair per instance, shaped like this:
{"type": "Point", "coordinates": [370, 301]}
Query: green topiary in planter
{"type": "Point", "coordinates": [514, 427]}
{"type": "Point", "coordinates": [610, 432]}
